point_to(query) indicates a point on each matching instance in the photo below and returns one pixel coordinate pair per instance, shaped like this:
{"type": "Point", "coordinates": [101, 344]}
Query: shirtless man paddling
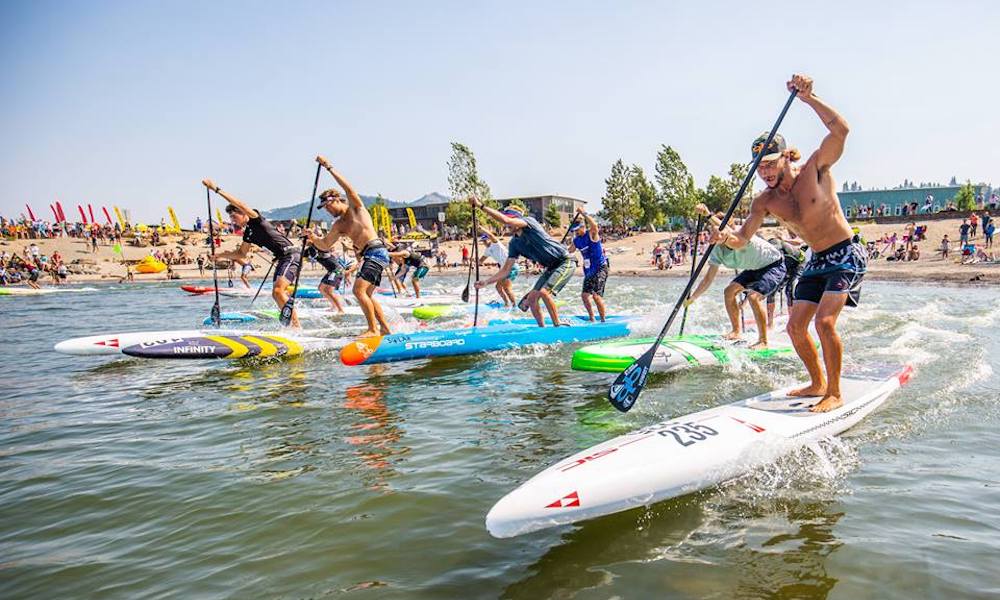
{"type": "Point", "coordinates": [805, 199]}
{"type": "Point", "coordinates": [351, 219]}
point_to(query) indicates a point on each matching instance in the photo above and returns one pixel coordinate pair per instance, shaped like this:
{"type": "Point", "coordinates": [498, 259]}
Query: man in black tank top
{"type": "Point", "coordinates": [258, 231]}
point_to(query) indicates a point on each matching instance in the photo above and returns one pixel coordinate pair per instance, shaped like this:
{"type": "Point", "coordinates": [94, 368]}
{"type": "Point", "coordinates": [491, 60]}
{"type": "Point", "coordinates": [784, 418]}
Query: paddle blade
{"type": "Point", "coordinates": [629, 383]}
{"type": "Point", "coordinates": [216, 316]}
{"type": "Point", "coordinates": [465, 294]}
{"type": "Point", "coordinates": [286, 312]}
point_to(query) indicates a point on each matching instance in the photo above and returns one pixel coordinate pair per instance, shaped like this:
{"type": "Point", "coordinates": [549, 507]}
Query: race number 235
{"type": "Point", "coordinates": [687, 434]}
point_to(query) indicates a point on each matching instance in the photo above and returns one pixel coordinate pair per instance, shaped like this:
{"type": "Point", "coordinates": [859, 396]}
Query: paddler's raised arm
{"type": "Point", "coordinates": [496, 215]}
{"type": "Point", "coordinates": [240, 206]}
{"type": "Point", "coordinates": [832, 146]}
{"type": "Point", "coordinates": [741, 237]}
{"type": "Point", "coordinates": [352, 196]}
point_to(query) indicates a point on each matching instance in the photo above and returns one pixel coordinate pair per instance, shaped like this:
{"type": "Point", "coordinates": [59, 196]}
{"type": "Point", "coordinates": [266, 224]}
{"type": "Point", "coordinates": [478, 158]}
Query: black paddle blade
{"type": "Point", "coordinates": [286, 312]}
{"type": "Point", "coordinates": [216, 316]}
{"type": "Point", "coordinates": [627, 387]}
{"type": "Point", "coordinates": [465, 294]}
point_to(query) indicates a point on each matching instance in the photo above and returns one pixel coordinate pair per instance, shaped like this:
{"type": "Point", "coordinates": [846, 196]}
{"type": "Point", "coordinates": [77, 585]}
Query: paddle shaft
{"type": "Point", "coordinates": [632, 383]}
{"type": "Point", "coordinates": [475, 259]}
{"type": "Point", "coordinates": [694, 259]}
{"type": "Point", "coordinates": [262, 281]}
{"type": "Point", "coordinates": [289, 307]}
{"type": "Point", "coordinates": [216, 310]}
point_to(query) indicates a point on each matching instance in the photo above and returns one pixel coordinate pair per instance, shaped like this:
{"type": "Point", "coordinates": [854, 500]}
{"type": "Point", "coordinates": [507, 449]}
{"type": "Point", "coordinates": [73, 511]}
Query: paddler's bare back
{"type": "Point", "coordinates": [810, 208]}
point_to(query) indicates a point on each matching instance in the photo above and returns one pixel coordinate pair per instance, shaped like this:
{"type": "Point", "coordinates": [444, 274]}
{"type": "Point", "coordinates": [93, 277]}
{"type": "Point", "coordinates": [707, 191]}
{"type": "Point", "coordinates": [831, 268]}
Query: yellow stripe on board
{"type": "Point", "coordinates": [293, 346]}
{"type": "Point", "coordinates": [239, 350]}
{"type": "Point", "coordinates": [266, 347]}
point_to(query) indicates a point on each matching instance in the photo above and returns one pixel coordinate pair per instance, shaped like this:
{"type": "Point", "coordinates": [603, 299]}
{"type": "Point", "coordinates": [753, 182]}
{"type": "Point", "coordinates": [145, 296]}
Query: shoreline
{"type": "Point", "coordinates": [629, 256]}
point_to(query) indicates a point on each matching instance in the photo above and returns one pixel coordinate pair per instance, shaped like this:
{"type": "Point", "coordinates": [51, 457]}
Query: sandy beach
{"type": "Point", "coordinates": [629, 256]}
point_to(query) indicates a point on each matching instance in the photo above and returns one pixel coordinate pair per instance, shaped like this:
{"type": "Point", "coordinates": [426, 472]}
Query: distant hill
{"type": "Point", "coordinates": [298, 211]}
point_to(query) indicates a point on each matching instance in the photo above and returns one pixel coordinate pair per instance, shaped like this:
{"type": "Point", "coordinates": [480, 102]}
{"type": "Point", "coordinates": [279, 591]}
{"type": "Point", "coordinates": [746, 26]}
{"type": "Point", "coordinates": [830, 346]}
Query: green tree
{"type": "Point", "coordinates": [737, 173]}
{"type": "Point", "coordinates": [458, 213]}
{"type": "Point", "coordinates": [717, 194]}
{"type": "Point", "coordinates": [552, 216]}
{"type": "Point", "coordinates": [678, 194]}
{"type": "Point", "coordinates": [650, 210]}
{"type": "Point", "coordinates": [620, 202]}
{"type": "Point", "coordinates": [463, 176]}
{"type": "Point", "coordinates": [965, 199]}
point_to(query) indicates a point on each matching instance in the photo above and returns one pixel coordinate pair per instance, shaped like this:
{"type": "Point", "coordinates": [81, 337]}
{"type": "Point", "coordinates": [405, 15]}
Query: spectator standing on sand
{"type": "Point", "coordinates": [973, 225]}
{"type": "Point", "coordinates": [945, 246]}
{"type": "Point", "coordinates": [988, 233]}
{"type": "Point", "coordinates": [465, 255]}
{"type": "Point", "coordinates": [963, 232]}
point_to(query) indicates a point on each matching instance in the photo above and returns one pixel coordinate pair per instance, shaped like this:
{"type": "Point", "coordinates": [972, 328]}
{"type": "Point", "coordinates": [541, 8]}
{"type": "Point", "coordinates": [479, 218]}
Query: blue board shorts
{"type": "Point", "coordinates": [764, 280]}
{"type": "Point", "coordinates": [514, 272]}
{"type": "Point", "coordinates": [838, 270]}
{"type": "Point", "coordinates": [555, 278]}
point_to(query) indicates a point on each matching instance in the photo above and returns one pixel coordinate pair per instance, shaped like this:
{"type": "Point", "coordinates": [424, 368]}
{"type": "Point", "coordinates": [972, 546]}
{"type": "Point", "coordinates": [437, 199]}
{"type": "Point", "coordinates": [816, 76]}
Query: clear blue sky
{"type": "Point", "coordinates": [132, 103]}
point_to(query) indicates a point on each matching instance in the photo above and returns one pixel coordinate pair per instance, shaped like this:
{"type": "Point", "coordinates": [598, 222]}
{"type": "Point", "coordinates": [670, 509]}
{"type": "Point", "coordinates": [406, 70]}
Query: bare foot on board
{"type": "Point", "coordinates": [809, 390]}
{"type": "Point", "coordinates": [827, 404]}
{"type": "Point", "coordinates": [732, 335]}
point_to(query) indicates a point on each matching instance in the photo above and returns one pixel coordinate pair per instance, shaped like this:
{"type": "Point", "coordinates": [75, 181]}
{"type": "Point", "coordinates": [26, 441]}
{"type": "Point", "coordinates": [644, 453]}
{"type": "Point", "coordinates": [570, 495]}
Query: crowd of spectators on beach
{"type": "Point", "coordinates": [30, 266]}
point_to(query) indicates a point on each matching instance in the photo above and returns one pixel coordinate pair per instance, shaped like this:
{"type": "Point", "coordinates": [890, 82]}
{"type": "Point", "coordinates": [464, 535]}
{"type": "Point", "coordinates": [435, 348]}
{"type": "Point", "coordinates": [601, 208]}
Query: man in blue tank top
{"type": "Point", "coordinates": [587, 239]}
{"type": "Point", "coordinates": [528, 239]}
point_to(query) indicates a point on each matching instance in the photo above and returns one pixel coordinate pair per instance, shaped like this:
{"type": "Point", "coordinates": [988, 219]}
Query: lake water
{"type": "Point", "coordinates": [298, 478]}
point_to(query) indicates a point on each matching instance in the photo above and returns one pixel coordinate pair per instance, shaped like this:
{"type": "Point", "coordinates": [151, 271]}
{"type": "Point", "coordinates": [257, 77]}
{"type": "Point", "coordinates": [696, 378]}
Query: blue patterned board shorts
{"type": "Point", "coordinates": [839, 270]}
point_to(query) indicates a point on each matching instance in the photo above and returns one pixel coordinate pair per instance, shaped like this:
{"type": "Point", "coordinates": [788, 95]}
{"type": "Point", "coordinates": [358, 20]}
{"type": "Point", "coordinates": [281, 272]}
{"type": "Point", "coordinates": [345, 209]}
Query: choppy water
{"type": "Point", "coordinates": [303, 478]}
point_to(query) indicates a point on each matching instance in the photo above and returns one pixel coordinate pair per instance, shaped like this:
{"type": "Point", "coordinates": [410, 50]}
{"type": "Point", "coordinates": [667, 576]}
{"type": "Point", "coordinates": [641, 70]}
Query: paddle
{"type": "Point", "coordinates": [475, 259]}
{"type": "Point", "coordinates": [628, 385]}
{"type": "Point", "coordinates": [468, 279]}
{"type": "Point", "coordinates": [289, 307]}
{"type": "Point", "coordinates": [694, 259]}
{"type": "Point", "coordinates": [216, 314]}
{"type": "Point", "coordinates": [262, 281]}
{"type": "Point", "coordinates": [523, 302]}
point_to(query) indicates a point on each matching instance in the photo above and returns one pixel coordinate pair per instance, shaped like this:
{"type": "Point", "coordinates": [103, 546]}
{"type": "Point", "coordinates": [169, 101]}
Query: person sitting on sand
{"type": "Point", "coordinates": [529, 239]}
{"type": "Point", "coordinates": [762, 271]}
{"type": "Point", "coordinates": [351, 220]}
{"type": "Point", "coordinates": [913, 253]}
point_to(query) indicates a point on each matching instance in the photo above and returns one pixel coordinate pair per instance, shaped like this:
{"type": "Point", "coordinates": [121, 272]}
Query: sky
{"type": "Point", "coordinates": [133, 103]}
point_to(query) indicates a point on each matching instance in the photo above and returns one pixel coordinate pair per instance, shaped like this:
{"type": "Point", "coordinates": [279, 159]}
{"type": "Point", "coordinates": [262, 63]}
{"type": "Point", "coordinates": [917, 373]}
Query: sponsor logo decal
{"type": "Point", "coordinates": [570, 500]}
{"type": "Point", "coordinates": [193, 349]}
{"type": "Point", "coordinates": [433, 344]}
{"type": "Point", "coordinates": [756, 428]}
{"type": "Point", "coordinates": [113, 342]}
{"type": "Point", "coordinates": [153, 343]}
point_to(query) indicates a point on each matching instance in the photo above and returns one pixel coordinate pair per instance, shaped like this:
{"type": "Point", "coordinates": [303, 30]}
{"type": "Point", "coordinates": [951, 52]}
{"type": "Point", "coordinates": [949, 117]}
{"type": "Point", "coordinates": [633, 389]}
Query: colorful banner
{"type": "Point", "coordinates": [107, 215]}
{"type": "Point", "coordinates": [62, 215]}
{"type": "Point", "coordinates": [117, 248]}
{"type": "Point", "coordinates": [31, 215]}
{"type": "Point", "coordinates": [173, 219]}
{"type": "Point", "coordinates": [219, 220]}
{"type": "Point", "coordinates": [55, 213]}
{"type": "Point", "coordinates": [121, 219]}
{"type": "Point", "coordinates": [413, 217]}
{"type": "Point", "coordinates": [91, 209]}
{"type": "Point", "coordinates": [82, 214]}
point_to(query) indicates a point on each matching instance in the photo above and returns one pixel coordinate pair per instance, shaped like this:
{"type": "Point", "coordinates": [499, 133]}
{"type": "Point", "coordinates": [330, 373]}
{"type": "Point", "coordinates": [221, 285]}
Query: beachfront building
{"type": "Point", "coordinates": [904, 201]}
